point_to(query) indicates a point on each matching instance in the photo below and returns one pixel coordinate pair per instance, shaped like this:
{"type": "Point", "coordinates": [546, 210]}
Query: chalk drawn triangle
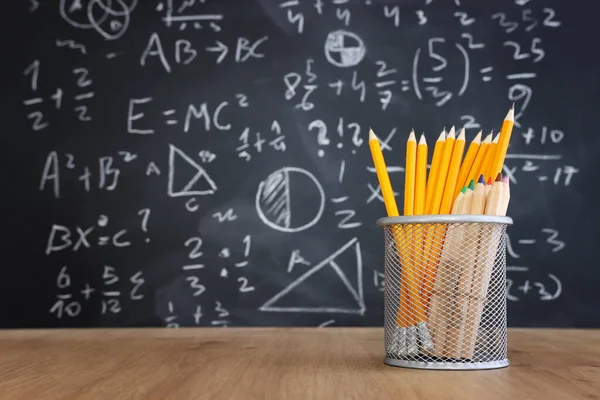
{"type": "Point", "coordinates": [199, 184]}
{"type": "Point", "coordinates": [348, 276]}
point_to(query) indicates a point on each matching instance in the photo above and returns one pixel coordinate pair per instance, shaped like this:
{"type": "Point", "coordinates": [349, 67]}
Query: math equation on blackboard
{"type": "Point", "coordinates": [210, 164]}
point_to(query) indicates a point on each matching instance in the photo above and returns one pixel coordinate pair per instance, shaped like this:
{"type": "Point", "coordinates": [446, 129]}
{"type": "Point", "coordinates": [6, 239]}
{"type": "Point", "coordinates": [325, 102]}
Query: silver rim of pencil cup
{"type": "Point", "coordinates": [444, 219]}
{"type": "Point", "coordinates": [446, 365]}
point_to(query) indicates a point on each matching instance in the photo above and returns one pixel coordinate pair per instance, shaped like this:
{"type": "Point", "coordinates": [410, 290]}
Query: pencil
{"type": "Point", "coordinates": [460, 318]}
{"type": "Point", "coordinates": [409, 174]}
{"type": "Point", "coordinates": [382, 175]}
{"type": "Point", "coordinates": [506, 198]}
{"type": "Point", "coordinates": [433, 240]}
{"type": "Point", "coordinates": [488, 246]}
{"type": "Point", "coordinates": [476, 168]}
{"type": "Point", "coordinates": [392, 211]}
{"type": "Point", "coordinates": [505, 133]}
{"type": "Point", "coordinates": [438, 150]}
{"type": "Point", "coordinates": [421, 177]}
{"type": "Point", "coordinates": [489, 158]}
{"type": "Point", "coordinates": [453, 170]}
{"type": "Point", "coordinates": [442, 174]}
{"type": "Point", "coordinates": [416, 315]}
{"type": "Point", "coordinates": [442, 296]}
{"type": "Point", "coordinates": [407, 277]}
{"type": "Point", "coordinates": [420, 195]}
{"type": "Point", "coordinates": [467, 163]}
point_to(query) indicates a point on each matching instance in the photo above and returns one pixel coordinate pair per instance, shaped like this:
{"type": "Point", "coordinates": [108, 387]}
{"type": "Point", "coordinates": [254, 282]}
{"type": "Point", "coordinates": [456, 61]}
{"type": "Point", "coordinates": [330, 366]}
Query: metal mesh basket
{"type": "Point", "coordinates": [445, 291]}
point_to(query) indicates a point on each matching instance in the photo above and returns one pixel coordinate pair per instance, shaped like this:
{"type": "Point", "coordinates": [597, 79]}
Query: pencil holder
{"type": "Point", "coordinates": [445, 291]}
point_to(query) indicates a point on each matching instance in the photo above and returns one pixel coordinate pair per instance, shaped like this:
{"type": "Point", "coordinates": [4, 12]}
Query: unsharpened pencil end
{"type": "Point", "coordinates": [481, 179]}
{"type": "Point", "coordinates": [422, 140]}
{"type": "Point", "coordinates": [411, 137]}
{"type": "Point", "coordinates": [372, 135]}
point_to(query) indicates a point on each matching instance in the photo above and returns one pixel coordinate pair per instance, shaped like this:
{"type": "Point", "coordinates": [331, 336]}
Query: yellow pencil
{"type": "Point", "coordinates": [382, 175]}
{"type": "Point", "coordinates": [434, 235]}
{"type": "Point", "coordinates": [409, 174]}
{"type": "Point", "coordinates": [467, 163]}
{"type": "Point", "coordinates": [420, 191]}
{"type": "Point", "coordinates": [453, 169]}
{"type": "Point", "coordinates": [391, 208]}
{"type": "Point", "coordinates": [410, 275]}
{"type": "Point", "coordinates": [421, 177]}
{"type": "Point", "coordinates": [489, 159]}
{"type": "Point", "coordinates": [505, 133]}
{"type": "Point", "coordinates": [438, 150]}
{"type": "Point", "coordinates": [442, 174]}
{"type": "Point", "coordinates": [476, 170]}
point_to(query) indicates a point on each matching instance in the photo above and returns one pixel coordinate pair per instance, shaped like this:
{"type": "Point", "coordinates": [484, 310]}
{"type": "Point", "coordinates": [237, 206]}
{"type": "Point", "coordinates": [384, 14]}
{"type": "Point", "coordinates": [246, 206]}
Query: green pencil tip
{"type": "Point", "coordinates": [463, 190]}
{"type": "Point", "coordinates": [472, 185]}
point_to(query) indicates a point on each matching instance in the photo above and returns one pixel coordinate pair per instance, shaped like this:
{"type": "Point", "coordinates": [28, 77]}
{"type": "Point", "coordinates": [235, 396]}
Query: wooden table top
{"type": "Point", "coordinates": [279, 363]}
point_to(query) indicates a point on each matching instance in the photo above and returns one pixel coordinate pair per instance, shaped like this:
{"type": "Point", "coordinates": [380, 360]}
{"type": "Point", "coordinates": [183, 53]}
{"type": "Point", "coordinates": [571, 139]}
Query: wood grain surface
{"type": "Point", "coordinates": [279, 363]}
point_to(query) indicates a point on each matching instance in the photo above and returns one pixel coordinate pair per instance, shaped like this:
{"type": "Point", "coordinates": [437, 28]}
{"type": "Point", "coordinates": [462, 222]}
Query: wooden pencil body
{"type": "Point", "coordinates": [471, 235]}
{"type": "Point", "coordinates": [489, 241]}
{"type": "Point", "coordinates": [479, 290]}
{"type": "Point", "coordinates": [465, 253]}
{"type": "Point", "coordinates": [444, 289]}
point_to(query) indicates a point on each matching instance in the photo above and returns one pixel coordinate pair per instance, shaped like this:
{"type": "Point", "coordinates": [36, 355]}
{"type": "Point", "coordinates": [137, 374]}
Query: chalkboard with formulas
{"type": "Point", "coordinates": [205, 163]}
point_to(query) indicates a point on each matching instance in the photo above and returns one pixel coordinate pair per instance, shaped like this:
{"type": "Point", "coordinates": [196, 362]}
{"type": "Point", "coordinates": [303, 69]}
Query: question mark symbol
{"type": "Point", "coordinates": [145, 212]}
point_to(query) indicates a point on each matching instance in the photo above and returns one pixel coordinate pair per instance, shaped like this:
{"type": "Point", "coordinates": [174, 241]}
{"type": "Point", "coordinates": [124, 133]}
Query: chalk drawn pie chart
{"type": "Point", "coordinates": [344, 49]}
{"type": "Point", "coordinates": [290, 200]}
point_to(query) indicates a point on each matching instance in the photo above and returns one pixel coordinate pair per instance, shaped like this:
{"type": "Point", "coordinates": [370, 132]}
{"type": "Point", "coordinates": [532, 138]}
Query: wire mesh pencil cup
{"type": "Point", "coordinates": [445, 291]}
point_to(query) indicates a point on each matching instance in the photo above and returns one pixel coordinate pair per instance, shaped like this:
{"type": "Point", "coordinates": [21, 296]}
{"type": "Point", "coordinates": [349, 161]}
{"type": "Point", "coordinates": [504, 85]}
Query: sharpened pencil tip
{"type": "Point", "coordinates": [411, 137]}
{"type": "Point", "coordinates": [477, 139]}
{"type": "Point", "coordinates": [489, 181]}
{"type": "Point", "coordinates": [463, 190]}
{"type": "Point", "coordinates": [472, 185]}
{"type": "Point", "coordinates": [499, 177]}
{"type": "Point", "coordinates": [422, 140]}
{"type": "Point", "coordinates": [442, 137]}
{"type": "Point", "coordinates": [510, 116]}
{"type": "Point", "coordinates": [481, 179]}
{"type": "Point", "coordinates": [496, 138]}
{"type": "Point", "coordinates": [372, 135]}
{"type": "Point", "coordinates": [488, 139]}
{"type": "Point", "coordinates": [451, 134]}
{"type": "Point", "coordinates": [505, 180]}
{"type": "Point", "coordinates": [461, 135]}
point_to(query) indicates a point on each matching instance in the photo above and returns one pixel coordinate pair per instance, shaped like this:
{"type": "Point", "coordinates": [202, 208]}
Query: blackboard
{"type": "Point", "coordinates": [202, 163]}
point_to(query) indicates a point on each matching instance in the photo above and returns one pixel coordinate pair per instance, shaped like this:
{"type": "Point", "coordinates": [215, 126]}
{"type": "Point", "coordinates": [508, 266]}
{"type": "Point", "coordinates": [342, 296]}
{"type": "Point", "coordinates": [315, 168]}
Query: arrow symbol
{"type": "Point", "coordinates": [220, 47]}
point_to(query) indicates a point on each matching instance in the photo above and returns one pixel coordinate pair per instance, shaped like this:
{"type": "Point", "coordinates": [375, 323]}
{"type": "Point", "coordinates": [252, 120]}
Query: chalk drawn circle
{"type": "Point", "coordinates": [344, 49]}
{"type": "Point", "coordinates": [118, 27]}
{"type": "Point", "coordinates": [276, 189]}
{"type": "Point", "coordinates": [78, 17]}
